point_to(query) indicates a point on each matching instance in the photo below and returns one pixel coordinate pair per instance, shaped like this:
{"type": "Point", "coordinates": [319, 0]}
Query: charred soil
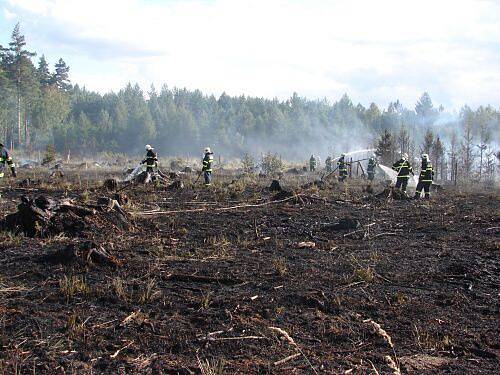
{"type": "Point", "coordinates": [233, 279]}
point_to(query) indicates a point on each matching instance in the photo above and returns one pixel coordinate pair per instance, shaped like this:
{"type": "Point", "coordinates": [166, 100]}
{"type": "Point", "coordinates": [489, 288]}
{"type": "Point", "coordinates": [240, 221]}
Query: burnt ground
{"type": "Point", "coordinates": [198, 291]}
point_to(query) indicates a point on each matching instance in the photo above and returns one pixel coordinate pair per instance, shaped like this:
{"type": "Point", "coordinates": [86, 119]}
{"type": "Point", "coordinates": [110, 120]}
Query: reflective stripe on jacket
{"type": "Point", "coordinates": [342, 165]}
{"type": "Point", "coordinates": [207, 162]}
{"type": "Point", "coordinates": [426, 173]}
{"type": "Point", "coordinates": [403, 168]}
{"type": "Point", "coordinates": [151, 159]}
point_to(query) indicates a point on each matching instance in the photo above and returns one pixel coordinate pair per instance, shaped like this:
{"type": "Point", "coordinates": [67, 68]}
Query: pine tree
{"type": "Point", "coordinates": [44, 76]}
{"type": "Point", "coordinates": [403, 140]}
{"type": "Point", "coordinates": [438, 157]}
{"type": "Point", "coordinates": [428, 142]}
{"type": "Point", "coordinates": [467, 144]}
{"type": "Point", "coordinates": [385, 148]}
{"type": "Point", "coordinates": [60, 78]}
{"type": "Point", "coordinates": [453, 156]}
{"type": "Point", "coordinates": [21, 72]}
{"type": "Point", "coordinates": [425, 110]}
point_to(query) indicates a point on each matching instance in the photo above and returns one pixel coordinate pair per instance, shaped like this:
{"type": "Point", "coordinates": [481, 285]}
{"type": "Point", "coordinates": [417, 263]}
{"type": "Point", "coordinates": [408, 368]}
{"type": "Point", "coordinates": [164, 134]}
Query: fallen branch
{"type": "Point", "coordinates": [351, 233]}
{"type": "Point", "coordinates": [129, 318]}
{"type": "Point", "coordinates": [392, 365]}
{"type": "Point", "coordinates": [373, 367]}
{"type": "Point", "coordinates": [289, 358]}
{"type": "Point", "coordinates": [119, 350]}
{"type": "Point", "coordinates": [236, 338]}
{"type": "Point", "coordinates": [202, 279]}
{"type": "Point", "coordinates": [380, 331]}
{"type": "Point", "coordinates": [147, 213]}
{"type": "Point", "coordinates": [292, 342]}
{"type": "Point", "coordinates": [382, 234]}
{"type": "Point", "coordinates": [492, 228]}
{"type": "Point", "coordinates": [351, 284]}
{"type": "Point", "coordinates": [14, 289]}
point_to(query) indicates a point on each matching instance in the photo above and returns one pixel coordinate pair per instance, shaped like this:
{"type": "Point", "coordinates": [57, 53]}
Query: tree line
{"type": "Point", "coordinates": [40, 106]}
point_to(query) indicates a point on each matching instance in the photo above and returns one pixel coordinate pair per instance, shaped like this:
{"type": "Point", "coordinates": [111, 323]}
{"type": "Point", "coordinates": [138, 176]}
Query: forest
{"type": "Point", "coordinates": [40, 106]}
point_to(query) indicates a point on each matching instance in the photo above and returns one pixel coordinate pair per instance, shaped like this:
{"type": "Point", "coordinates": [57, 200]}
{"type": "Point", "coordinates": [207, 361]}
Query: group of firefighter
{"type": "Point", "coordinates": [402, 167]}
{"type": "Point", "coordinates": [151, 163]}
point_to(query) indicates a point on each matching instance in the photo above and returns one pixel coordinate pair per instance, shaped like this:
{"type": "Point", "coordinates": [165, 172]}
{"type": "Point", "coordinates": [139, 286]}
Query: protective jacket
{"type": "Point", "coordinates": [4, 154]}
{"type": "Point", "coordinates": [6, 158]}
{"type": "Point", "coordinates": [208, 160]}
{"type": "Point", "coordinates": [341, 164]}
{"type": "Point", "coordinates": [426, 172]}
{"type": "Point", "coordinates": [151, 160]}
{"type": "Point", "coordinates": [403, 168]}
{"type": "Point", "coordinates": [371, 168]}
{"type": "Point", "coordinates": [328, 164]}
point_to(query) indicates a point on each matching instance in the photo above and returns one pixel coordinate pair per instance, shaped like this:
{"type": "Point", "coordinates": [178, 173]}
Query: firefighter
{"type": "Point", "coordinates": [371, 168]}
{"type": "Point", "coordinates": [403, 167]}
{"type": "Point", "coordinates": [328, 164]}
{"type": "Point", "coordinates": [208, 160]}
{"type": "Point", "coordinates": [425, 178]}
{"type": "Point", "coordinates": [342, 166]}
{"type": "Point", "coordinates": [312, 163]}
{"type": "Point", "coordinates": [6, 158]}
{"type": "Point", "coordinates": [151, 161]}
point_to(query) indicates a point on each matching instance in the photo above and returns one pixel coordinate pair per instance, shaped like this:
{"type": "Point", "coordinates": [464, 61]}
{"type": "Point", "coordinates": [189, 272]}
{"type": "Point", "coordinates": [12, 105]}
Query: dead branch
{"type": "Point", "coordinates": [351, 233]}
{"type": "Point", "coordinates": [392, 365]}
{"type": "Point", "coordinates": [373, 367]}
{"type": "Point", "coordinates": [202, 279]}
{"type": "Point", "coordinates": [147, 213]}
{"type": "Point", "coordinates": [380, 331]}
{"type": "Point", "coordinates": [292, 342]}
{"type": "Point", "coordinates": [129, 318]}
{"type": "Point", "coordinates": [492, 228]}
{"type": "Point", "coordinates": [284, 360]}
{"type": "Point", "coordinates": [119, 350]}
{"type": "Point", "coordinates": [236, 338]}
{"type": "Point", "coordinates": [382, 234]}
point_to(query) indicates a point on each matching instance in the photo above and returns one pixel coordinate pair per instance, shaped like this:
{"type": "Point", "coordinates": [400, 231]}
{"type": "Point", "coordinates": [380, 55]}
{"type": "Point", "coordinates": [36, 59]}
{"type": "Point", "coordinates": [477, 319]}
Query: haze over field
{"type": "Point", "coordinates": [292, 78]}
{"type": "Point", "coordinates": [376, 51]}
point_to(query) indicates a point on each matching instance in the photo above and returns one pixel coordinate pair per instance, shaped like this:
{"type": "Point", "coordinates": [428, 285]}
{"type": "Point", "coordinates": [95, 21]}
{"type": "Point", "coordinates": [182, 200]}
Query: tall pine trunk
{"type": "Point", "coordinates": [26, 132]}
{"type": "Point", "coordinates": [18, 119]}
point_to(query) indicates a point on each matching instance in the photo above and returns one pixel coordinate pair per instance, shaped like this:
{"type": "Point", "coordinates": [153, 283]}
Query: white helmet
{"type": "Point", "coordinates": [148, 147]}
{"type": "Point", "coordinates": [425, 156]}
{"type": "Point", "coordinates": [207, 150]}
{"type": "Point", "coordinates": [405, 156]}
{"type": "Point", "coordinates": [342, 154]}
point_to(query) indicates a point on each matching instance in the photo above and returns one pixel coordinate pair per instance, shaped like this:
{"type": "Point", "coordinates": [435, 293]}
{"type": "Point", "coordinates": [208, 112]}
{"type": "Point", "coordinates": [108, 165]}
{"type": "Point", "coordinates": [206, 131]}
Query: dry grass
{"type": "Point", "coordinates": [205, 300]}
{"type": "Point", "coordinates": [211, 367]}
{"type": "Point", "coordinates": [9, 239]}
{"type": "Point", "coordinates": [119, 288]}
{"type": "Point", "coordinates": [71, 286]}
{"type": "Point", "coordinates": [280, 266]}
{"type": "Point", "coordinates": [365, 274]}
{"type": "Point", "coordinates": [149, 292]}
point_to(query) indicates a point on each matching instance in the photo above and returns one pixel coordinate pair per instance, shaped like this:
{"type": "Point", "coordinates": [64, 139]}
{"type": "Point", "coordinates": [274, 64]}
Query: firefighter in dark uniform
{"type": "Point", "coordinates": [312, 163]}
{"type": "Point", "coordinates": [425, 178]}
{"type": "Point", "coordinates": [403, 167]}
{"type": "Point", "coordinates": [6, 158]}
{"type": "Point", "coordinates": [151, 160]}
{"type": "Point", "coordinates": [208, 160]}
{"type": "Point", "coordinates": [371, 168]}
{"type": "Point", "coordinates": [328, 164]}
{"type": "Point", "coordinates": [342, 166]}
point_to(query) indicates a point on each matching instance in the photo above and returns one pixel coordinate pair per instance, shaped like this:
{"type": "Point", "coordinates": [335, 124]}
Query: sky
{"type": "Point", "coordinates": [375, 51]}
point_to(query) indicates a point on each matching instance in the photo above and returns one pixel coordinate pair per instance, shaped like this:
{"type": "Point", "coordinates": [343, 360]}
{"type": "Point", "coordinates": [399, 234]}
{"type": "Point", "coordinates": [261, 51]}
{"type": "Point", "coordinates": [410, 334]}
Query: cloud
{"type": "Point", "coordinates": [375, 51]}
{"type": "Point", "coordinates": [8, 15]}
